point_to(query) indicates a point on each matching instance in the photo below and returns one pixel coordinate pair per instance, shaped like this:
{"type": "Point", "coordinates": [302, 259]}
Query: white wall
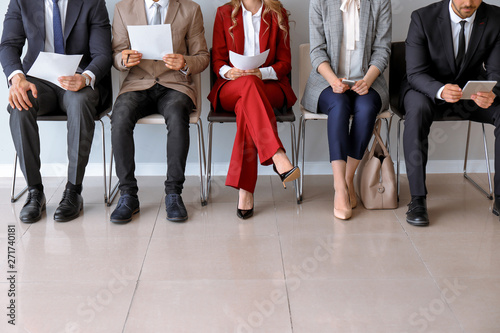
{"type": "Point", "coordinates": [447, 139]}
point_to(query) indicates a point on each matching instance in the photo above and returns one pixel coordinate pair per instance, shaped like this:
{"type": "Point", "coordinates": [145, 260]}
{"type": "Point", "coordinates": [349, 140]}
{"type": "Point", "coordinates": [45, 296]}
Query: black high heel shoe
{"type": "Point", "coordinates": [288, 176]}
{"type": "Point", "coordinates": [243, 213]}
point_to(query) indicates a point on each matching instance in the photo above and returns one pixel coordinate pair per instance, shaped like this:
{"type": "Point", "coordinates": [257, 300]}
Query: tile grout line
{"type": "Point", "coordinates": [283, 265]}
{"type": "Point", "coordinates": [429, 271]}
{"type": "Point", "coordinates": [142, 266]}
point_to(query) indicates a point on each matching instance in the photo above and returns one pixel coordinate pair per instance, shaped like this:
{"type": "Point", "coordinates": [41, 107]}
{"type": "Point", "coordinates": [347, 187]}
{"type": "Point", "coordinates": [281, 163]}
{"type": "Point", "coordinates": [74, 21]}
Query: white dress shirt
{"type": "Point", "coordinates": [49, 33]}
{"type": "Point", "coordinates": [151, 10]}
{"type": "Point", "coordinates": [455, 32]}
{"type": "Point", "coordinates": [251, 26]}
{"type": "Point", "coordinates": [351, 55]}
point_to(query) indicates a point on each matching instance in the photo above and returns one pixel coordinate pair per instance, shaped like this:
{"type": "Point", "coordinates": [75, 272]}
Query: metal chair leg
{"type": "Point", "coordinates": [302, 136]}
{"type": "Point", "coordinates": [489, 194]}
{"type": "Point", "coordinates": [104, 162]}
{"type": "Point", "coordinates": [202, 160]}
{"type": "Point", "coordinates": [294, 160]}
{"type": "Point", "coordinates": [398, 139]}
{"type": "Point", "coordinates": [14, 197]}
{"type": "Point", "coordinates": [112, 189]}
{"type": "Point", "coordinates": [208, 177]}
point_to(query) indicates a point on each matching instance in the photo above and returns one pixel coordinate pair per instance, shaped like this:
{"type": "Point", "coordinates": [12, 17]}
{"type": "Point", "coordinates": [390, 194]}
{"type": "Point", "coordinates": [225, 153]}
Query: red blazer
{"type": "Point", "coordinates": [271, 37]}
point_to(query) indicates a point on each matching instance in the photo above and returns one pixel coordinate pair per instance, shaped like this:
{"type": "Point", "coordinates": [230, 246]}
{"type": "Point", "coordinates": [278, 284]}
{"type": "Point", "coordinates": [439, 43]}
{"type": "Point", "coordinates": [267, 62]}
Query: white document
{"type": "Point", "coordinates": [153, 41]}
{"type": "Point", "coordinates": [473, 87]}
{"type": "Point", "coordinates": [248, 62]}
{"type": "Point", "coordinates": [49, 66]}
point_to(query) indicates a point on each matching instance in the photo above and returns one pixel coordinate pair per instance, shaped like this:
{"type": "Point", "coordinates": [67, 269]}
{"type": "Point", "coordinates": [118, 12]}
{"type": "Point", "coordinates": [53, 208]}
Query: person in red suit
{"type": "Point", "coordinates": [250, 27]}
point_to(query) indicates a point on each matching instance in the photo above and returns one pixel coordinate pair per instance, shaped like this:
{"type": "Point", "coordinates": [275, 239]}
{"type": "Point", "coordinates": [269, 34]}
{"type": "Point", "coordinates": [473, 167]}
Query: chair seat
{"type": "Point", "coordinates": [437, 116]}
{"type": "Point", "coordinates": [157, 119]}
{"type": "Point", "coordinates": [64, 117]}
{"type": "Point", "coordinates": [230, 117]}
{"type": "Point", "coordinates": [320, 116]}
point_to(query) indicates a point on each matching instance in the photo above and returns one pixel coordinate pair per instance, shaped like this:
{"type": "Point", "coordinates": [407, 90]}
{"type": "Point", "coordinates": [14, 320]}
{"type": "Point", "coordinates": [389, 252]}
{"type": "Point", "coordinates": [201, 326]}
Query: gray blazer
{"type": "Point", "coordinates": [325, 36]}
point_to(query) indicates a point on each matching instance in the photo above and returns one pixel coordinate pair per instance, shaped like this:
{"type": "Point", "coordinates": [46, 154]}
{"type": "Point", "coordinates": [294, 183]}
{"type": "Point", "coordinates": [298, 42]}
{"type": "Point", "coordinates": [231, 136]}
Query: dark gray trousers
{"type": "Point", "coordinates": [420, 114]}
{"type": "Point", "coordinates": [80, 108]}
{"type": "Point", "coordinates": [129, 107]}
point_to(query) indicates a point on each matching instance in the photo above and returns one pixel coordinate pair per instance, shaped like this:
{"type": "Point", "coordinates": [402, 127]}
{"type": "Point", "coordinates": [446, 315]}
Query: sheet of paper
{"type": "Point", "coordinates": [153, 41]}
{"type": "Point", "coordinates": [248, 62]}
{"type": "Point", "coordinates": [49, 66]}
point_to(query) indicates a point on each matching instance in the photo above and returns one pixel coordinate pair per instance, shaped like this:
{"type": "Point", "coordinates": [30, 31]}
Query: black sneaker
{"type": "Point", "coordinates": [127, 206]}
{"type": "Point", "coordinates": [176, 211]}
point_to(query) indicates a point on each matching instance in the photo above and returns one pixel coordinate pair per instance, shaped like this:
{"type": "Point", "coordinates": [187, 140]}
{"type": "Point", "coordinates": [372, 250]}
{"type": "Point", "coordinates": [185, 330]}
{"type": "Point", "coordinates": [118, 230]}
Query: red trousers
{"type": "Point", "coordinates": [256, 133]}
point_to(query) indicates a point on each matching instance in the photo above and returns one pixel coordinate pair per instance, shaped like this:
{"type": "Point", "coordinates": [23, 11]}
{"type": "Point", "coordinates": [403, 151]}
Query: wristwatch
{"type": "Point", "coordinates": [87, 80]}
{"type": "Point", "coordinates": [185, 69]}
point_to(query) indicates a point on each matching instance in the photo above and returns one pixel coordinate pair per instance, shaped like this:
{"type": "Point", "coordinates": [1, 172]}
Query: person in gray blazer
{"type": "Point", "coordinates": [350, 49]}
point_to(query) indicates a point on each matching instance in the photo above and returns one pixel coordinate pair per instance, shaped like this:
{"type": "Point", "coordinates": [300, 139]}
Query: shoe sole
{"type": "Point", "coordinates": [125, 221]}
{"type": "Point", "coordinates": [177, 219]}
{"type": "Point", "coordinates": [418, 223]}
{"type": "Point", "coordinates": [67, 219]}
{"type": "Point", "coordinates": [38, 218]}
{"type": "Point", "coordinates": [291, 177]}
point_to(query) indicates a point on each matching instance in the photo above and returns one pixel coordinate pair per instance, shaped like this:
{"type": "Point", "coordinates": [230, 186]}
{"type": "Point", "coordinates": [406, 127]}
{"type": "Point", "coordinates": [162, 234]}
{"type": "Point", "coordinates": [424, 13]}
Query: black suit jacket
{"type": "Point", "coordinates": [87, 31]}
{"type": "Point", "coordinates": [430, 60]}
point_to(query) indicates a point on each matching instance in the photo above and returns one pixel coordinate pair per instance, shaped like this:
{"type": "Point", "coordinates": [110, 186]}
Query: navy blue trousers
{"type": "Point", "coordinates": [339, 108]}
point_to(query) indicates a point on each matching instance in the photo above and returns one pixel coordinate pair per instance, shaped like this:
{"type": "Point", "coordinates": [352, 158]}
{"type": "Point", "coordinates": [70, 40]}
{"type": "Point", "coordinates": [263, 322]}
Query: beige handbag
{"type": "Point", "coordinates": [376, 180]}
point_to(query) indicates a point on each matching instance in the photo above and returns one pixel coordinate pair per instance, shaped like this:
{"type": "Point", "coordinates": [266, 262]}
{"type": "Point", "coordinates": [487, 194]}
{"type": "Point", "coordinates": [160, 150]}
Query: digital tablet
{"type": "Point", "coordinates": [473, 87]}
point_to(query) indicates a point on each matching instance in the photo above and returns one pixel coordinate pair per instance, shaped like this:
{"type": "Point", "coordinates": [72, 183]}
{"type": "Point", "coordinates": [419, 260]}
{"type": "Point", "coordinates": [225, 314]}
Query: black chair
{"type": "Point", "coordinates": [397, 72]}
{"type": "Point", "coordinates": [103, 111]}
{"type": "Point", "coordinates": [284, 115]}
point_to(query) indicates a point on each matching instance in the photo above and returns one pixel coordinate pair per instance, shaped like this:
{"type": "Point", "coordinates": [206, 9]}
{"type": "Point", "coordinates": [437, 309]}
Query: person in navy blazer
{"type": "Point", "coordinates": [83, 29]}
{"type": "Point", "coordinates": [440, 60]}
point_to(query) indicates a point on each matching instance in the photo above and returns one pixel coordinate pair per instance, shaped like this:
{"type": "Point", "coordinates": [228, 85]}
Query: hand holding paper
{"type": "Point", "coordinates": [153, 41]}
{"type": "Point", "coordinates": [50, 66]}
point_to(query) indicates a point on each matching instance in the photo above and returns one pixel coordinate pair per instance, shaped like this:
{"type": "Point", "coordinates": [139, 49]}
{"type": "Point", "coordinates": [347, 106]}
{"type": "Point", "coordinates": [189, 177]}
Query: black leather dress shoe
{"type": "Point", "coordinates": [176, 211]}
{"type": "Point", "coordinates": [70, 206]}
{"type": "Point", "coordinates": [496, 206]}
{"type": "Point", "coordinates": [127, 206]}
{"type": "Point", "coordinates": [417, 213]}
{"type": "Point", "coordinates": [33, 207]}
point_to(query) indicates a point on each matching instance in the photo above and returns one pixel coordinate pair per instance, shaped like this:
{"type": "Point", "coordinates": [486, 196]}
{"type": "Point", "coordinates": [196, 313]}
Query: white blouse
{"type": "Point", "coordinates": [251, 26]}
{"type": "Point", "coordinates": [351, 55]}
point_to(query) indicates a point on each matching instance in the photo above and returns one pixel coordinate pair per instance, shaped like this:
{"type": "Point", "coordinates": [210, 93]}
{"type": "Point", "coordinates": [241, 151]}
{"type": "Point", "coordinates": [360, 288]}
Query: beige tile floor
{"type": "Point", "coordinates": [291, 268]}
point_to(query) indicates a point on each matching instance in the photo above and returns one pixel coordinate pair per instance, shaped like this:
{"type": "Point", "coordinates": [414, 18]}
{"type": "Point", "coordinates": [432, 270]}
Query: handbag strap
{"type": "Point", "coordinates": [378, 139]}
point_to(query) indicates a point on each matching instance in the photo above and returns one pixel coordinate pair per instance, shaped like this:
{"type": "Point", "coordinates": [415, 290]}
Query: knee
{"type": "Point", "coordinates": [124, 113]}
{"type": "Point", "coordinates": [417, 107]}
{"type": "Point", "coordinates": [334, 105]}
{"type": "Point", "coordinates": [178, 121]}
{"type": "Point", "coordinates": [81, 97]}
{"type": "Point", "coordinates": [122, 121]}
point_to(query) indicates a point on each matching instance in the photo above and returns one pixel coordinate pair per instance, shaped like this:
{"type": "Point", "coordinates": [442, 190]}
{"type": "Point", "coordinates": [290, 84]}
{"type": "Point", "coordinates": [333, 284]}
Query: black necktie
{"type": "Point", "coordinates": [461, 45]}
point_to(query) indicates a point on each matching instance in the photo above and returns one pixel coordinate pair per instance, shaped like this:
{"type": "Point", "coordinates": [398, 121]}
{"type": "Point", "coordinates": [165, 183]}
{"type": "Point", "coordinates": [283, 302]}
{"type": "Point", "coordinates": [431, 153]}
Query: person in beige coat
{"type": "Point", "coordinates": [156, 86]}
